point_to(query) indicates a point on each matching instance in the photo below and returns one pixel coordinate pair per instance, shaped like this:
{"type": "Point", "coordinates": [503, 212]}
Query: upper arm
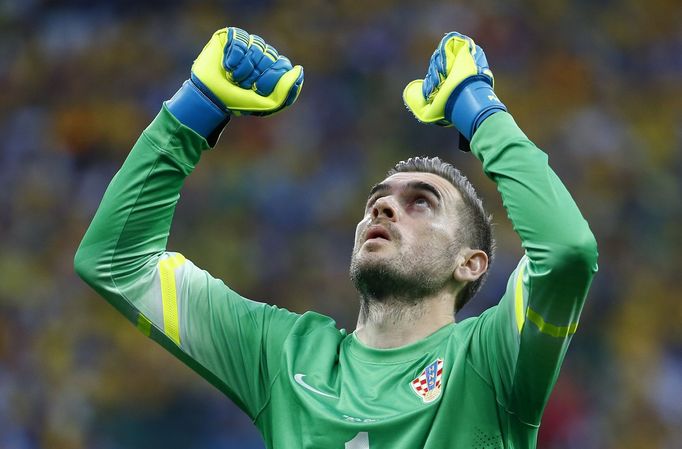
{"type": "Point", "coordinates": [525, 337]}
{"type": "Point", "coordinates": [232, 341]}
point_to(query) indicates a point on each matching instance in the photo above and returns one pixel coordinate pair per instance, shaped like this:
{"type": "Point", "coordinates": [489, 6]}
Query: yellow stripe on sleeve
{"type": "Point", "coordinates": [171, 322]}
{"type": "Point", "coordinates": [549, 328]}
{"type": "Point", "coordinates": [144, 325]}
{"type": "Point", "coordinates": [518, 298]}
{"type": "Point", "coordinates": [534, 317]}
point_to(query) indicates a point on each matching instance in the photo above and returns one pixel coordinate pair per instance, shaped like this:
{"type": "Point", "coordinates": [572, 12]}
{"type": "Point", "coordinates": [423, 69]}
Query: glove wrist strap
{"type": "Point", "coordinates": [198, 112]}
{"type": "Point", "coordinates": [470, 103]}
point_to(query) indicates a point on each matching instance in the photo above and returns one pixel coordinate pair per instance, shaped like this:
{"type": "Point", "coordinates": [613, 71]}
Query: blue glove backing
{"type": "Point", "coordinates": [235, 74]}
{"type": "Point", "coordinates": [457, 89]}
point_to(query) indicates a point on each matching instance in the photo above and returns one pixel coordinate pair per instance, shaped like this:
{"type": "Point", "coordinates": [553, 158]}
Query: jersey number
{"type": "Point", "coordinates": [360, 441]}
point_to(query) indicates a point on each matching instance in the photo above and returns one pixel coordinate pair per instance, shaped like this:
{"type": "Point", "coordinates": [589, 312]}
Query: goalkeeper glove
{"type": "Point", "coordinates": [457, 89]}
{"type": "Point", "coordinates": [236, 73]}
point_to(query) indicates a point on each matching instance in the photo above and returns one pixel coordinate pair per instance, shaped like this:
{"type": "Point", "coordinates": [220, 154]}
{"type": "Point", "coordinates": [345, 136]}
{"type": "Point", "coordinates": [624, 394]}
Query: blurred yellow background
{"type": "Point", "coordinates": [272, 209]}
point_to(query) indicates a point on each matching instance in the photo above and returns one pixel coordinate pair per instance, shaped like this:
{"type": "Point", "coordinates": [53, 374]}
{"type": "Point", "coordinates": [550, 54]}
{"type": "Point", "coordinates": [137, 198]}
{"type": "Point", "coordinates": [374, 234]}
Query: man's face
{"type": "Point", "coordinates": [406, 245]}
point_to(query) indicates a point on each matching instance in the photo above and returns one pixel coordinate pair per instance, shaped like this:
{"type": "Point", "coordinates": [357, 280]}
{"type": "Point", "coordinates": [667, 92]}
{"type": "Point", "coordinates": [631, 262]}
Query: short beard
{"type": "Point", "coordinates": [397, 285]}
{"type": "Point", "coordinates": [382, 282]}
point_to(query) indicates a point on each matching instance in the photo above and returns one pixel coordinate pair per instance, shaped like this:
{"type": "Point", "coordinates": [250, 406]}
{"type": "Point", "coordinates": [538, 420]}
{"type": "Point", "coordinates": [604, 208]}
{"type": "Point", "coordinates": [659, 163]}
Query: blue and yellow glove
{"type": "Point", "coordinates": [457, 89]}
{"type": "Point", "coordinates": [236, 73]}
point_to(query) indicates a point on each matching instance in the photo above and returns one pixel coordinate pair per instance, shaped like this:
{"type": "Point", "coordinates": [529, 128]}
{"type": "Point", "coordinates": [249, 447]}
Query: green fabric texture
{"type": "Point", "coordinates": [306, 383]}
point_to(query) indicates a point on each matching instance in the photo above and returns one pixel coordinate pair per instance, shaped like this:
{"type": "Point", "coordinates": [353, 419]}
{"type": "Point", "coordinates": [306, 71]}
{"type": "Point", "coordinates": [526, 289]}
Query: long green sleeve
{"type": "Point", "coordinates": [526, 336]}
{"type": "Point", "coordinates": [306, 383]}
{"type": "Point", "coordinates": [231, 341]}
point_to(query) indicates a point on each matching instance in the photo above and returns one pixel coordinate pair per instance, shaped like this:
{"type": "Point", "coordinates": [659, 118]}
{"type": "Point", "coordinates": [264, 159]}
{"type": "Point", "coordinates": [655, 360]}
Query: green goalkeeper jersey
{"type": "Point", "coordinates": [480, 383]}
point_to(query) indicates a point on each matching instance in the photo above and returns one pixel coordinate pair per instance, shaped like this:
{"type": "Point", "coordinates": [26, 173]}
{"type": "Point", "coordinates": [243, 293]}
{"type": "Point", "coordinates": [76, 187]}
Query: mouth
{"type": "Point", "coordinates": [377, 232]}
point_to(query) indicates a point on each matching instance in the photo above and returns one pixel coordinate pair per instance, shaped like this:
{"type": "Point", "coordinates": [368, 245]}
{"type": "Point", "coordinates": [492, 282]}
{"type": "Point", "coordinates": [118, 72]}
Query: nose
{"type": "Point", "coordinates": [384, 207]}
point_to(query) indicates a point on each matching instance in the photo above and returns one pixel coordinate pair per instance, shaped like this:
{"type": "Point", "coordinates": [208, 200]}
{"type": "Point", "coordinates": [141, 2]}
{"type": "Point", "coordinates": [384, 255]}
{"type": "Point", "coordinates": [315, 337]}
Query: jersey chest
{"type": "Point", "coordinates": [337, 399]}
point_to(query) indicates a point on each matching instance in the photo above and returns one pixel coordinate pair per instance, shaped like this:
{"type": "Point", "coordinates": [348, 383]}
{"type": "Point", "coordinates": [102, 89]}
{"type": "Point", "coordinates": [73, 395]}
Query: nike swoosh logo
{"type": "Point", "coordinates": [299, 380]}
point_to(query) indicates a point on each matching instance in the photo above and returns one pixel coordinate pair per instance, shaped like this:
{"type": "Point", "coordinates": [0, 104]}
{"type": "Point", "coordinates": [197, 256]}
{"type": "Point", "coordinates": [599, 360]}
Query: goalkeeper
{"type": "Point", "coordinates": [409, 376]}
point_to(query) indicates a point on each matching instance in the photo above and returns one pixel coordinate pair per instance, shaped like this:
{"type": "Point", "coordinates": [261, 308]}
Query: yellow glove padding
{"type": "Point", "coordinates": [209, 69]}
{"type": "Point", "coordinates": [456, 59]}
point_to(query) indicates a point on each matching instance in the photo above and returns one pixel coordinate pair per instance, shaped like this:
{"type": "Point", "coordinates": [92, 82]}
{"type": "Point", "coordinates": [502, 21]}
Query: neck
{"type": "Point", "coordinates": [392, 322]}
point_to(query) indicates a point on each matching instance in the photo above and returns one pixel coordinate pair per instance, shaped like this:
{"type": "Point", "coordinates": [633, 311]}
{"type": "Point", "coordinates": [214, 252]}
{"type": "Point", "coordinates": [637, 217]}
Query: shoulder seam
{"type": "Point", "coordinates": [499, 402]}
{"type": "Point", "coordinates": [504, 407]}
{"type": "Point", "coordinates": [262, 408]}
{"type": "Point", "coordinates": [272, 382]}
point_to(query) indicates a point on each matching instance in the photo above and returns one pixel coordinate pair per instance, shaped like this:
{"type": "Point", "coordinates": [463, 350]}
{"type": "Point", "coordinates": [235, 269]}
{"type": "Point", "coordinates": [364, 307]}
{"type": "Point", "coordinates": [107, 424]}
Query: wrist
{"type": "Point", "coordinates": [470, 104]}
{"type": "Point", "coordinates": [194, 109]}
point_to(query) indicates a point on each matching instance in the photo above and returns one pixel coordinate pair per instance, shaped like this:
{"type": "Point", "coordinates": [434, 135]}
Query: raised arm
{"type": "Point", "coordinates": [528, 333]}
{"type": "Point", "coordinates": [228, 339]}
{"type": "Point", "coordinates": [523, 339]}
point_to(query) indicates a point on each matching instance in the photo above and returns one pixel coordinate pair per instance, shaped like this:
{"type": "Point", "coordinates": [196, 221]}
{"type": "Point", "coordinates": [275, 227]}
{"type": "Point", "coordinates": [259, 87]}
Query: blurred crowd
{"type": "Point", "coordinates": [272, 209]}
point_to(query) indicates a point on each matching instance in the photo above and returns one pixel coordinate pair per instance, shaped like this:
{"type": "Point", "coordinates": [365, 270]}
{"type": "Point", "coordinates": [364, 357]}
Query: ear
{"type": "Point", "coordinates": [471, 264]}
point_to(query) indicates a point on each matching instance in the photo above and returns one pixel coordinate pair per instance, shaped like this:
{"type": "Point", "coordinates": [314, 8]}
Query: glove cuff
{"type": "Point", "coordinates": [470, 103]}
{"type": "Point", "coordinates": [197, 111]}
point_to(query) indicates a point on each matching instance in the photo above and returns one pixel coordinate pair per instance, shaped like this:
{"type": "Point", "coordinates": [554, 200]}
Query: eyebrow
{"type": "Point", "coordinates": [412, 185]}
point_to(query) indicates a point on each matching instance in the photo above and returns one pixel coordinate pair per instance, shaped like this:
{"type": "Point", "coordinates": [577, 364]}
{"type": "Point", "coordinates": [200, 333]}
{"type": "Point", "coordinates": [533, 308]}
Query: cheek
{"type": "Point", "coordinates": [360, 228]}
{"type": "Point", "coordinates": [437, 239]}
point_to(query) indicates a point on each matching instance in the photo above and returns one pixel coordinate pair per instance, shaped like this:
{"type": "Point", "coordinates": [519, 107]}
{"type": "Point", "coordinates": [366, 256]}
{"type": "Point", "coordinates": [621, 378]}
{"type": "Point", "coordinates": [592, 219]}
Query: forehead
{"type": "Point", "coordinates": [448, 192]}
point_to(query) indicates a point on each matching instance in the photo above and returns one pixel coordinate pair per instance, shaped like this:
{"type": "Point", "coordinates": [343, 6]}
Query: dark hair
{"type": "Point", "coordinates": [476, 224]}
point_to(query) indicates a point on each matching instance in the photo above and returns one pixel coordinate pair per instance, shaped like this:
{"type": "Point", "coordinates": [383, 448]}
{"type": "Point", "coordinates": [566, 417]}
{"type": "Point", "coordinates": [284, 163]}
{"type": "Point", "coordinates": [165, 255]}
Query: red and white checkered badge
{"type": "Point", "coordinates": [428, 384]}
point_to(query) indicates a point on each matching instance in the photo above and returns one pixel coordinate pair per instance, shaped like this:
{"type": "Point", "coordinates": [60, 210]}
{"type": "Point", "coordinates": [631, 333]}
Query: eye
{"type": "Point", "coordinates": [422, 202]}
